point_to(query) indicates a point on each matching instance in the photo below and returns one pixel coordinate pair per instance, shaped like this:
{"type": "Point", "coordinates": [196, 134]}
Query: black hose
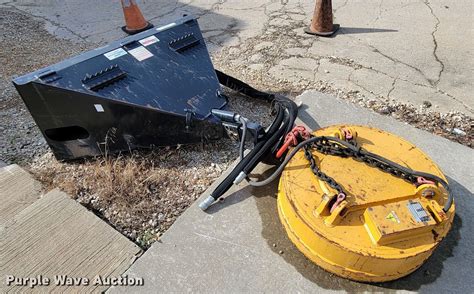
{"type": "Point", "coordinates": [286, 114]}
{"type": "Point", "coordinates": [293, 113]}
{"type": "Point", "coordinates": [229, 180]}
{"type": "Point", "coordinates": [280, 168]}
{"type": "Point", "coordinates": [273, 140]}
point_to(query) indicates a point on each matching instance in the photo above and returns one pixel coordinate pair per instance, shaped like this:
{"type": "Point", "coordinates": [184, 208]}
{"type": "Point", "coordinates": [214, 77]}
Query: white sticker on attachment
{"type": "Point", "coordinates": [140, 53]}
{"type": "Point", "coordinates": [115, 54]}
{"type": "Point", "coordinates": [99, 107]}
{"type": "Point", "coordinates": [149, 40]}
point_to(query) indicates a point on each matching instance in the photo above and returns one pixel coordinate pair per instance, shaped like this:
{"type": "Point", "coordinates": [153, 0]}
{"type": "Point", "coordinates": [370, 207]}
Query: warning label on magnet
{"type": "Point", "coordinates": [140, 53]}
{"type": "Point", "coordinates": [149, 40]}
{"type": "Point", "coordinates": [115, 54]}
{"type": "Point", "coordinates": [392, 216]}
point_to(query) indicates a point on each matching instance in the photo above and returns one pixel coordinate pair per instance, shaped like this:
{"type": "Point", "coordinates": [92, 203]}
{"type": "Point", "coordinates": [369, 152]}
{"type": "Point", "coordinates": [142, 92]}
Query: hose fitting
{"type": "Point", "coordinates": [239, 178]}
{"type": "Point", "coordinates": [206, 203]}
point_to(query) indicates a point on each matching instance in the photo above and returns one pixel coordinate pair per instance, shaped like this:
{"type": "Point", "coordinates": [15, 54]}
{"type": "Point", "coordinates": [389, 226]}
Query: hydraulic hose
{"type": "Point", "coordinates": [293, 113]}
{"type": "Point", "coordinates": [244, 135]}
{"type": "Point", "coordinates": [287, 112]}
{"type": "Point", "coordinates": [229, 180]}
{"type": "Point", "coordinates": [267, 146]}
{"type": "Point", "coordinates": [281, 167]}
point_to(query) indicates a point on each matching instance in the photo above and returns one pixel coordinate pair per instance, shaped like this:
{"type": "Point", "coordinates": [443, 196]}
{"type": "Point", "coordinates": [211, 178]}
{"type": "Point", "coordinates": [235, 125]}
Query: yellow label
{"type": "Point", "coordinates": [392, 216]}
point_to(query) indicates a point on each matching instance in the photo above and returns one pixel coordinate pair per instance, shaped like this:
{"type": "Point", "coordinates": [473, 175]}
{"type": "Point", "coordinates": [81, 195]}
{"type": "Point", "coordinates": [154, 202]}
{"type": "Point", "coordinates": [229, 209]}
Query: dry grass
{"type": "Point", "coordinates": [142, 193]}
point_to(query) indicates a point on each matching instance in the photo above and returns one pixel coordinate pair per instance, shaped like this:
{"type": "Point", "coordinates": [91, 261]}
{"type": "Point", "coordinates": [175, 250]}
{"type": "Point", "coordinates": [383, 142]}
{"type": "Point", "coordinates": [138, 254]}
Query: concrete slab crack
{"type": "Point", "coordinates": [280, 47]}
{"type": "Point", "coordinates": [349, 79]}
{"type": "Point", "coordinates": [392, 87]}
{"type": "Point", "coordinates": [468, 108]}
{"type": "Point", "coordinates": [435, 42]}
{"type": "Point", "coordinates": [395, 60]}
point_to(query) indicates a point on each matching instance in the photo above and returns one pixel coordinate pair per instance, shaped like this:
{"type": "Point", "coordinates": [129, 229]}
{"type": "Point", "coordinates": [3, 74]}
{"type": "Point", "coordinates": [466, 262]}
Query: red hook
{"type": "Point", "coordinates": [421, 181]}
{"type": "Point", "coordinates": [291, 139]}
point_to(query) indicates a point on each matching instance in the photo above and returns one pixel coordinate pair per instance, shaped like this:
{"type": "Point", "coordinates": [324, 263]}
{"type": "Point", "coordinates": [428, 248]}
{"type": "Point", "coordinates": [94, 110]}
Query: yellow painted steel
{"type": "Point", "coordinates": [384, 229]}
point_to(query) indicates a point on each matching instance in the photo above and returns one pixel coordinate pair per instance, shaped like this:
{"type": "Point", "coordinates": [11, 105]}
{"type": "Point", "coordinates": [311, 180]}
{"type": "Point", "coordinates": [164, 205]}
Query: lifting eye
{"type": "Point", "coordinates": [67, 133]}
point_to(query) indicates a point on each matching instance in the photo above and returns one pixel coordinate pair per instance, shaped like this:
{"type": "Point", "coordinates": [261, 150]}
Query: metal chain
{"type": "Point", "coordinates": [318, 173]}
{"type": "Point", "coordinates": [327, 147]}
{"type": "Point", "coordinates": [387, 168]}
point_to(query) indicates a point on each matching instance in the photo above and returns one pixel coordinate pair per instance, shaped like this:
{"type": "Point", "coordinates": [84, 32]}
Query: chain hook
{"type": "Point", "coordinates": [340, 197]}
{"type": "Point", "coordinates": [347, 134]}
{"type": "Point", "coordinates": [421, 181]}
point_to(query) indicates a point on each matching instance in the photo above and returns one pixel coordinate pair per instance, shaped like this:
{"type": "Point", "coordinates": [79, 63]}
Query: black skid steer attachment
{"type": "Point", "coordinates": [154, 88]}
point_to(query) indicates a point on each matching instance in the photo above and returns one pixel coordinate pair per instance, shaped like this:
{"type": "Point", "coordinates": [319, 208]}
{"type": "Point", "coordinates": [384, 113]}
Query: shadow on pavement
{"type": "Point", "coordinates": [353, 31]}
{"type": "Point", "coordinates": [307, 119]}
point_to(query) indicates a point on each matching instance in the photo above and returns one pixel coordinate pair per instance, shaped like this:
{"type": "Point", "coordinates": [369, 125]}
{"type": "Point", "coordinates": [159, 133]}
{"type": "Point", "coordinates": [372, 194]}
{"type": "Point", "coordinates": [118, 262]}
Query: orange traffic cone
{"type": "Point", "coordinates": [321, 24]}
{"type": "Point", "coordinates": [134, 20]}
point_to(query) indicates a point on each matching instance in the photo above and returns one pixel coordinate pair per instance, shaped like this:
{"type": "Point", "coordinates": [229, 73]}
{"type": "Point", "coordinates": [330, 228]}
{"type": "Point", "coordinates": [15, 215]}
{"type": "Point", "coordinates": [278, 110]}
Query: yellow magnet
{"type": "Point", "coordinates": [384, 229]}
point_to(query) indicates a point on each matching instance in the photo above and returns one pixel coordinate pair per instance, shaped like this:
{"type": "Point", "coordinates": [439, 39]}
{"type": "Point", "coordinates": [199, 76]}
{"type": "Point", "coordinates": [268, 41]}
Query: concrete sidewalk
{"type": "Point", "coordinates": [405, 50]}
{"type": "Point", "coordinates": [52, 235]}
{"type": "Point", "coordinates": [239, 244]}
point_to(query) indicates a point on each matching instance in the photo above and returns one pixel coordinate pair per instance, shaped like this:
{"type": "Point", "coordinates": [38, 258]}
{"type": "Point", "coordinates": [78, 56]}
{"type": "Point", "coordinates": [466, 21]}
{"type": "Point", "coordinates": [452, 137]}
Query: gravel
{"type": "Point", "coordinates": [140, 194]}
{"type": "Point", "coordinates": [26, 46]}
